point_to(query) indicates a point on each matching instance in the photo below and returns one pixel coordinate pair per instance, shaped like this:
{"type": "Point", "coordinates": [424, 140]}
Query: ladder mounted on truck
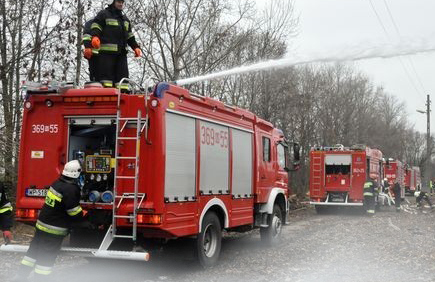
{"type": "Point", "coordinates": [137, 198]}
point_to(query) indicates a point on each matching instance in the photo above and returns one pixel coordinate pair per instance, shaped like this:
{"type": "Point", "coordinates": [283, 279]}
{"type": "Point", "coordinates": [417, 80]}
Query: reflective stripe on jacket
{"type": "Point", "coordinates": [5, 210]}
{"type": "Point", "coordinates": [369, 188]}
{"type": "Point", "coordinates": [87, 37]}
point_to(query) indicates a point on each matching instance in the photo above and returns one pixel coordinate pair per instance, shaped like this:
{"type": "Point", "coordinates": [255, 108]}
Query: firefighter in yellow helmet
{"type": "Point", "coordinates": [60, 212]}
{"type": "Point", "coordinates": [111, 32]}
{"type": "Point", "coordinates": [5, 214]}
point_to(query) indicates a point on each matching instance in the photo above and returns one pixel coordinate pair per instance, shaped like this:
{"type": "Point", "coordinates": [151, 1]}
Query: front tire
{"type": "Point", "coordinates": [209, 241]}
{"type": "Point", "coordinates": [270, 235]}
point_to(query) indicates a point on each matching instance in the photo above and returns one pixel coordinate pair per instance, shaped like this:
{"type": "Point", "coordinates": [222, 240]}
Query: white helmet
{"type": "Point", "coordinates": [416, 194]}
{"type": "Point", "coordinates": [72, 169]}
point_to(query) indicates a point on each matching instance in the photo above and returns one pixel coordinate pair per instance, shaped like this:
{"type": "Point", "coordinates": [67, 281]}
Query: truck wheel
{"type": "Point", "coordinates": [208, 242]}
{"type": "Point", "coordinates": [270, 235]}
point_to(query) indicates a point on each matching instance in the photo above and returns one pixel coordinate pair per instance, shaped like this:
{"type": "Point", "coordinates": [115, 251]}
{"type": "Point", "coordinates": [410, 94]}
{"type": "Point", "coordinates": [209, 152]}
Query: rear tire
{"type": "Point", "coordinates": [271, 235]}
{"type": "Point", "coordinates": [209, 241]}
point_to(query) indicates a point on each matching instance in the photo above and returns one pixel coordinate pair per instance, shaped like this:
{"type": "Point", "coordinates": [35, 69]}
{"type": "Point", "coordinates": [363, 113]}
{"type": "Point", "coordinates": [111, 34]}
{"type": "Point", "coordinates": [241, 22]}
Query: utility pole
{"type": "Point", "coordinates": [428, 139]}
{"type": "Point", "coordinates": [427, 175]}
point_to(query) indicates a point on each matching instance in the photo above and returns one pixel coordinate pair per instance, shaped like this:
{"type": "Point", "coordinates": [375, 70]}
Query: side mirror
{"type": "Point", "coordinates": [296, 158]}
{"type": "Point", "coordinates": [296, 152]}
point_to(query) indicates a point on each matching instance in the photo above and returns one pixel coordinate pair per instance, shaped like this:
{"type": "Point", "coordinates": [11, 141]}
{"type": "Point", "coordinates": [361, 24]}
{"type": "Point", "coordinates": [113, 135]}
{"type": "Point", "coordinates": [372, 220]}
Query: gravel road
{"type": "Point", "coordinates": [339, 246]}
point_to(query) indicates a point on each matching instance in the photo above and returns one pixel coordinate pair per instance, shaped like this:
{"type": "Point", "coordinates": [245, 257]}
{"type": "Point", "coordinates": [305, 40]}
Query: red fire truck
{"type": "Point", "coordinates": [338, 174]}
{"type": "Point", "coordinates": [412, 179]}
{"type": "Point", "coordinates": [166, 164]}
{"type": "Point", "coordinates": [395, 169]}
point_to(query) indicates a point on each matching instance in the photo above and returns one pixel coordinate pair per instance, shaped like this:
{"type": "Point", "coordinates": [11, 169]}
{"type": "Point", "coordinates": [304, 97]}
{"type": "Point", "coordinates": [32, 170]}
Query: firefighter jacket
{"type": "Point", "coordinates": [114, 30]}
{"type": "Point", "coordinates": [61, 208]}
{"type": "Point", "coordinates": [87, 37]}
{"type": "Point", "coordinates": [370, 188]}
{"type": "Point", "coordinates": [5, 210]}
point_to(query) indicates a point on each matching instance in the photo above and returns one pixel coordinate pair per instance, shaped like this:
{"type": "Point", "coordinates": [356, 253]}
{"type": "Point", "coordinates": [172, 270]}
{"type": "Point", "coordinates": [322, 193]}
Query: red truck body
{"type": "Point", "coordinates": [195, 155]}
{"type": "Point", "coordinates": [395, 170]}
{"type": "Point", "coordinates": [338, 174]}
{"type": "Point", "coordinates": [412, 179]}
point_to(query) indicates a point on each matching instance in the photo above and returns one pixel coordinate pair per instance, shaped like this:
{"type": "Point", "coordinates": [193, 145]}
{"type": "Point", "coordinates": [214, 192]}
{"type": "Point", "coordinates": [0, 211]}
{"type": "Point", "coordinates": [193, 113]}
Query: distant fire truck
{"type": "Point", "coordinates": [412, 179]}
{"type": "Point", "coordinates": [395, 170]}
{"type": "Point", "coordinates": [165, 164]}
{"type": "Point", "coordinates": [338, 174]}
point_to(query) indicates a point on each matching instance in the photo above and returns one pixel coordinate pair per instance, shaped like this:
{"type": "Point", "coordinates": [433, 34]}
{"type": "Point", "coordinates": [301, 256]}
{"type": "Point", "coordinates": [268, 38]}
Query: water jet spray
{"type": "Point", "coordinates": [347, 55]}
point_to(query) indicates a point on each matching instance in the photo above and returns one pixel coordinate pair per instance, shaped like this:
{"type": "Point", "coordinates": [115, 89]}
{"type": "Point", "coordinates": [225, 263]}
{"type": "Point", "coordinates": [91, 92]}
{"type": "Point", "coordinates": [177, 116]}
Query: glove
{"type": "Point", "coordinates": [87, 53]}
{"type": "Point", "coordinates": [96, 43]}
{"type": "Point", "coordinates": [8, 236]}
{"type": "Point", "coordinates": [137, 52]}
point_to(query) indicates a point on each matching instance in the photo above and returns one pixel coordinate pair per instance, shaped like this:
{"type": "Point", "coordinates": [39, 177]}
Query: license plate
{"type": "Point", "coordinates": [31, 192]}
{"type": "Point", "coordinates": [337, 199]}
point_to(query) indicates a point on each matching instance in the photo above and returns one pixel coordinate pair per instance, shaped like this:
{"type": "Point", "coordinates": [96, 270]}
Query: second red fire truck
{"type": "Point", "coordinates": [338, 174]}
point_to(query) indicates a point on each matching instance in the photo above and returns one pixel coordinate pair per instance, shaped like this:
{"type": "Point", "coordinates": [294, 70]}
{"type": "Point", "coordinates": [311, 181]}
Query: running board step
{"type": "Point", "coordinates": [106, 254]}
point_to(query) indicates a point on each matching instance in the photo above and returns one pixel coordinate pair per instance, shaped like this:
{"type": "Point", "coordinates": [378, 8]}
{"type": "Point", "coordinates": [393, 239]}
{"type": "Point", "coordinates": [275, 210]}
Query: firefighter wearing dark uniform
{"type": "Point", "coordinates": [5, 214]}
{"type": "Point", "coordinates": [91, 54]}
{"type": "Point", "coordinates": [397, 194]}
{"type": "Point", "coordinates": [111, 33]}
{"type": "Point", "coordinates": [370, 187]}
{"type": "Point", "coordinates": [422, 196]}
{"type": "Point", "coordinates": [61, 210]}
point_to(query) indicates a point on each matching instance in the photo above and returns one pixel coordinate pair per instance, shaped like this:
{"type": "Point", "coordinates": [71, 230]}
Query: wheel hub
{"type": "Point", "coordinates": [276, 226]}
{"type": "Point", "coordinates": [210, 241]}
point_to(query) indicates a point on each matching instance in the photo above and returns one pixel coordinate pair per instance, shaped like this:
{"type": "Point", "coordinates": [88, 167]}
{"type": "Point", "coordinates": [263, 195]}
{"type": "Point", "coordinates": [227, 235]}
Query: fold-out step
{"type": "Point", "coordinates": [85, 252]}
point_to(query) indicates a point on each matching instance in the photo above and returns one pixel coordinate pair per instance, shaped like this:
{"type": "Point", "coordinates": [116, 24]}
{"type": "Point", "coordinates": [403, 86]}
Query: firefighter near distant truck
{"type": "Point", "coordinates": [338, 175]}
{"type": "Point", "coordinates": [159, 165]}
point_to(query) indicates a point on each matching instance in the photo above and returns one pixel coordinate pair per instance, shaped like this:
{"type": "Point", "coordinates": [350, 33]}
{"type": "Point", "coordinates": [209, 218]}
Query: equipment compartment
{"type": "Point", "coordinates": [92, 142]}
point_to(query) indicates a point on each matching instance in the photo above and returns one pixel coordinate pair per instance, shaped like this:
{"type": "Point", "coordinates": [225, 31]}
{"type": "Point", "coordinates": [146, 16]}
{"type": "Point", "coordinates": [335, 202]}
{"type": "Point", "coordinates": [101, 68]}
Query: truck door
{"type": "Point", "coordinates": [266, 173]}
{"type": "Point", "coordinates": [42, 152]}
{"type": "Point", "coordinates": [281, 163]}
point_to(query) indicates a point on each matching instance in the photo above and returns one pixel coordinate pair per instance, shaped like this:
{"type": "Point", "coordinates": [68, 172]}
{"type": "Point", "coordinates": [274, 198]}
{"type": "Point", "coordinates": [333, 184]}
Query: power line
{"type": "Point", "coordinates": [411, 61]}
{"type": "Point", "coordinates": [400, 59]}
{"type": "Point", "coordinates": [379, 18]}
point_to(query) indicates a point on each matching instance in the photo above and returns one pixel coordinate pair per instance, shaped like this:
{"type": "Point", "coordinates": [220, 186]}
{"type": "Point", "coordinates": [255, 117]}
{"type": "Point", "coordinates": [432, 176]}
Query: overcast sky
{"type": "Point", "coordinates": [330, 25]}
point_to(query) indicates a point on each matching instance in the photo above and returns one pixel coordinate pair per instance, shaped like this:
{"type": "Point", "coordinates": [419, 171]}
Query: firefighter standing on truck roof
{"type": "Point", "coordinates": [370, 187]}
{"type": "Point", "coordinates": [111, 32]}
{"type": "Point", "coordinates": [91, 54]}
{"type": "Point", "coordinates": [60, 212]}
{"type": "Point", "coordinates": [397, 194]}
{"type": "Point", "coordinates": [5, 214]}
